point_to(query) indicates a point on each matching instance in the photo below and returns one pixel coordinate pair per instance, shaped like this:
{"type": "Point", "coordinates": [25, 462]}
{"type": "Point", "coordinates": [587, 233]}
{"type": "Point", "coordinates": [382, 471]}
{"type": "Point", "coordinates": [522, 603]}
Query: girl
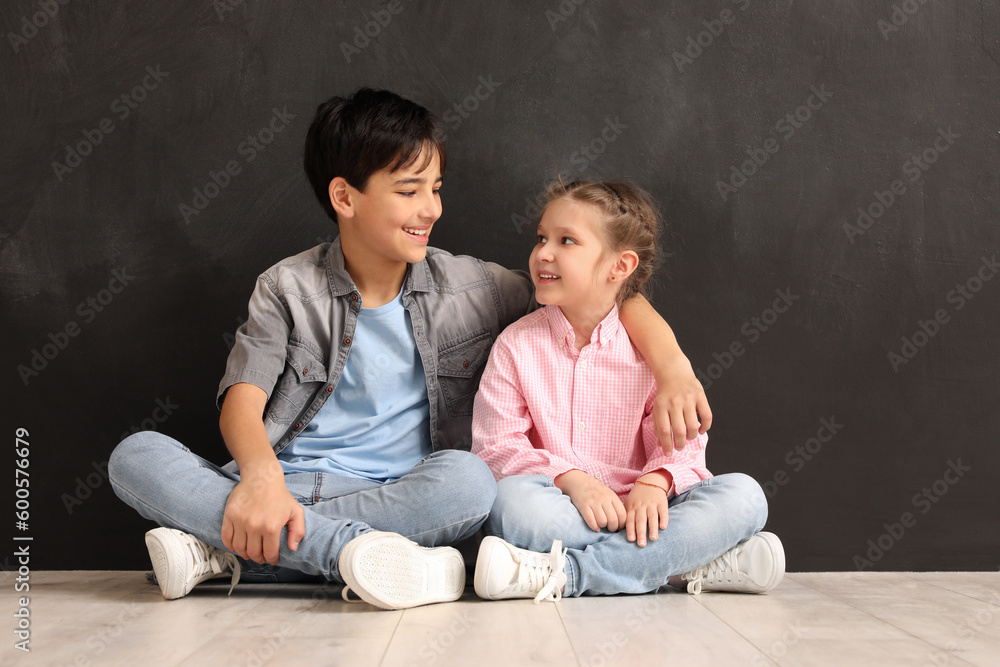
{"type": "Point", "coordinates": [563, 419]}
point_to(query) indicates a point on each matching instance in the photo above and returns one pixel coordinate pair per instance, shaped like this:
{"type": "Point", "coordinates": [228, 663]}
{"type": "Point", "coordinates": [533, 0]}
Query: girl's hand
{"type": "Point", "coordinates": [646, 509]}
{"type": "Point", "coordinates": [598, 505]}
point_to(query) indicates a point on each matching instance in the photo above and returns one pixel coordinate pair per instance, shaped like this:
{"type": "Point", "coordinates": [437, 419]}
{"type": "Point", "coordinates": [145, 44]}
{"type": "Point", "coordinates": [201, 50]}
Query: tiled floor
{"type": "Point", "coordinates": [116, 618]}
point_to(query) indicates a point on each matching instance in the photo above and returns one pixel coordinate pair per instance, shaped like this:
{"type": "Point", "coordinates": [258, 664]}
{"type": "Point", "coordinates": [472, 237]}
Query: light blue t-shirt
{"type": "Point", "coordinates": [376, 425]}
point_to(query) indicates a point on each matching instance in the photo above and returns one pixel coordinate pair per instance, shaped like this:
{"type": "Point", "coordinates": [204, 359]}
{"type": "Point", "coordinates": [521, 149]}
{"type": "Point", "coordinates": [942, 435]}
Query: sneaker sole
{"type": "Point", "coordinates": [391, 572]}
{"type": "Point", "coordinates": [162, 549]}
{"type": "Point", "coordinates": [778, 554]}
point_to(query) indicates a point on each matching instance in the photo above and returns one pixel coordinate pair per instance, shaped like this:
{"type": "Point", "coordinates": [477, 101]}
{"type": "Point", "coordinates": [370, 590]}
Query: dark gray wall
{"type": "Point", "coordinates": [597, 89]}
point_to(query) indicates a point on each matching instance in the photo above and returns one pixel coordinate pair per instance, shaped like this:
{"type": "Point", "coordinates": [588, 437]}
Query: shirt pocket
{"type": "Point", "coordinates": [304, 367]}
{"type": "Point", "coordinates": [621, 434]}
{"type": "Point", "coordinates": [460, 367]}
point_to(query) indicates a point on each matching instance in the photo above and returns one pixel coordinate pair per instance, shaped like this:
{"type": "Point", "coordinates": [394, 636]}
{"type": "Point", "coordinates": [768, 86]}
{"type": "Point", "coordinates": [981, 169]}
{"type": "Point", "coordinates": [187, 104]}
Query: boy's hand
{"type": "Point", "coordinates": [256, 512]}
{"type": "Point", "coordinates": [599, 506]}
{"type": "Point", "coordinates": [260, 506]}
{"type": "Point", "coordinates": [680, 400]}
{"type": "Point", "coordinates": [646, 508]}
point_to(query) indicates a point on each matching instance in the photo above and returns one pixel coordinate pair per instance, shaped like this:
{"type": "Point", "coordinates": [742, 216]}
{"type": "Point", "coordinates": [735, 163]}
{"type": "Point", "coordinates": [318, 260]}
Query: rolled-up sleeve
{"type": "Point", "coordinates": [258, 355]}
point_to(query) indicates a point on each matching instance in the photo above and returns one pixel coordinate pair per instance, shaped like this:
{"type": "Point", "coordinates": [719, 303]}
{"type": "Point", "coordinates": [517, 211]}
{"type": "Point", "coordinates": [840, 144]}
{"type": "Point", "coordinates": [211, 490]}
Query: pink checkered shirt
{"type": "Point", "coordinates": [545, 407]}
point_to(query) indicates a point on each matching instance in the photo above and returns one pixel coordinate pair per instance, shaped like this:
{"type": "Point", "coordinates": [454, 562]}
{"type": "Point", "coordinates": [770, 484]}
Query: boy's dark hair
{"type": "Point", "coordinates": [354, 137]}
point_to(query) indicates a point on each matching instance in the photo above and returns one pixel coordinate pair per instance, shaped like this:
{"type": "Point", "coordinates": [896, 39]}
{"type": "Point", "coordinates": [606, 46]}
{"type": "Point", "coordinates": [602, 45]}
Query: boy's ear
{"type": "Point", "coordinates": [627, 262]}
{"type": "Point", "coordinates": [341, 197]}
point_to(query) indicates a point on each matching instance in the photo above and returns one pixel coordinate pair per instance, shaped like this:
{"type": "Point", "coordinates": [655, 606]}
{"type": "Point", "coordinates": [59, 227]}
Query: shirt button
{"type": "Point", "coordinates": [329, 390]}
{"type": "Point", "coordinates": [580, 426]}
{"type": "Point", "coordinates": [347, 341]}
{"type": "Point", "coordinates": [354, 297]}
{"type": "Point", "coordinates": [597, 475]}
{"type": "Point", "coordinates": [465, 364]}
{"type": "Point", "coordinates": [583, 364]}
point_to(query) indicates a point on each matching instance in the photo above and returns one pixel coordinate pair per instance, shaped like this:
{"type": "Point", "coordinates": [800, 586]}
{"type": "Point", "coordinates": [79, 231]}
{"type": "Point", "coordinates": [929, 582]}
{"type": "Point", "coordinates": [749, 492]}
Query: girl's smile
{"type": "Point", "coordinates": [570, 266]}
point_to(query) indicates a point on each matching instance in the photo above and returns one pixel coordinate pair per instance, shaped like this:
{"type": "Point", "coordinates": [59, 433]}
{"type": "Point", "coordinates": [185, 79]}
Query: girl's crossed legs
{"type": "Point", "coordinates": [706, 520]}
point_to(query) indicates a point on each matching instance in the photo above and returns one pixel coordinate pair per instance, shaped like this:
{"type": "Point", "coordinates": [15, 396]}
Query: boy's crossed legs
{"type": "Point", "coordinates": [443, 500]}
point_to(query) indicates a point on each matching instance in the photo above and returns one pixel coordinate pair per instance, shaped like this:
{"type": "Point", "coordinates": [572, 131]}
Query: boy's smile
{"type": "Point", "coordinates": [388, 224]}
{"type": "Point", "coordinates": [397, 210]}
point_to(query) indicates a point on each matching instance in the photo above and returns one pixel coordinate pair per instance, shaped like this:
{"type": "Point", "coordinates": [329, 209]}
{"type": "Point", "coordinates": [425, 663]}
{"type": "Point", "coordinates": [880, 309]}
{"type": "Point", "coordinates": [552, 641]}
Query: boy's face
{"type": "Point", "coordinates": [569, 266]}
{"type": "Point", "coordinates": [395, 213]}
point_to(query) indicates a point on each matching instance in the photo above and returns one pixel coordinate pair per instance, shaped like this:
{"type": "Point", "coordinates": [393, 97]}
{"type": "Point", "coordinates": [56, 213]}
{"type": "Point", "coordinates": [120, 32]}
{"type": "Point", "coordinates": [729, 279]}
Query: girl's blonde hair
{"type": "Point", "coordinates": [631, 222]}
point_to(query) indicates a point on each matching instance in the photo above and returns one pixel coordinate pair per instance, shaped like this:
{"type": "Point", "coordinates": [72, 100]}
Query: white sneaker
{"type": "Point", "coordinates": [182, 561]}
{"type": "Point", "coordinates": [391, 572]}
{"type": "Point", "coordinates": [756, 566]}
{"type": "Point", "coordinates": [504, 571]}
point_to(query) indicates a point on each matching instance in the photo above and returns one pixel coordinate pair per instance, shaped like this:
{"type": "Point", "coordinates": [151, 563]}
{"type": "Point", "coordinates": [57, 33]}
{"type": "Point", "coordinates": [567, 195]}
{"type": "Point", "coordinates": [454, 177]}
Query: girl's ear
{"type": "Point", "coordinates": [624, 266]}
{"type": "Point", "coordinates": [341, 197]}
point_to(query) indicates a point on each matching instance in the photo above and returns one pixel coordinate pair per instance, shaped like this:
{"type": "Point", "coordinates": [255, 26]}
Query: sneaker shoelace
{"type": "Point", "coordinates": [723, 569]}
{"type": "Point", "coordinates": [545, 573]}
{"type": "Point", "coordinates": [209, 559]}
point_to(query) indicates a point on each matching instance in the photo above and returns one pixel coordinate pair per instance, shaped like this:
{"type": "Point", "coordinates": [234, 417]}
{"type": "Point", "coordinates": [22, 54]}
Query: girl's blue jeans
{"type": "Point", "coordinates": [708, 519]}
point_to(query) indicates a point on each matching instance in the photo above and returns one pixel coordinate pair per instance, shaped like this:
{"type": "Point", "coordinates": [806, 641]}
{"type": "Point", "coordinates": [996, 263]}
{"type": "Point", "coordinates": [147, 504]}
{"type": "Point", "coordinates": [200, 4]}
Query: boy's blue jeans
{"type": "Point", "coordinates": [443, 500]}
{"type": "Point", "coordinates": [707, 520]}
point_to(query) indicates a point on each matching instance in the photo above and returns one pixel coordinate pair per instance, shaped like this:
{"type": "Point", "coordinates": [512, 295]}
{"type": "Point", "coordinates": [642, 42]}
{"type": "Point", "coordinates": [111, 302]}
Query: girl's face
{"type": "Point", "coordinates": [569, 265]}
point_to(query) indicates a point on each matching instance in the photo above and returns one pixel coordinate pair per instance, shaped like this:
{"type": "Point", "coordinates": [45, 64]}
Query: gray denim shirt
{"type": "Point", "coordinates": [302, 317]}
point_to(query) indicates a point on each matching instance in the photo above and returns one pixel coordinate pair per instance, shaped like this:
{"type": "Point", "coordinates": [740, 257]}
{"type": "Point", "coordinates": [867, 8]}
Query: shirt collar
{"type": "Point", "coordinates": [563, 332]}
{"type": "Point", "coordinates": [418, 276]}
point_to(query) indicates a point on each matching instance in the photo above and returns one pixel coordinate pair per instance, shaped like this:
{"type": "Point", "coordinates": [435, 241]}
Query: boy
{"type": "Point", "coordinates": [347, 398]}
